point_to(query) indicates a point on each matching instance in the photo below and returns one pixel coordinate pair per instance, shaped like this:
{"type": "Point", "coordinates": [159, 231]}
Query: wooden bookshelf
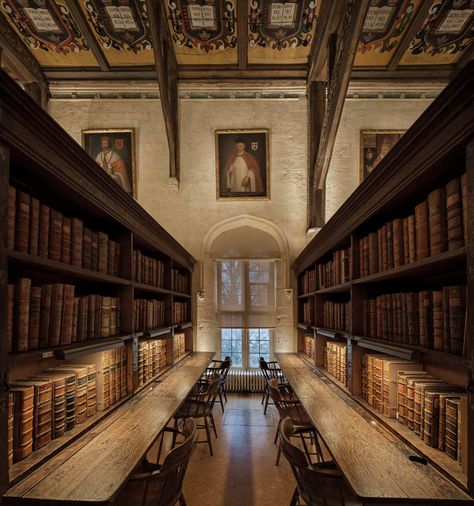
{"type": "Point", "coordinates": [39, 158]}
{"type": "Point", "coordinates": [436, 150]}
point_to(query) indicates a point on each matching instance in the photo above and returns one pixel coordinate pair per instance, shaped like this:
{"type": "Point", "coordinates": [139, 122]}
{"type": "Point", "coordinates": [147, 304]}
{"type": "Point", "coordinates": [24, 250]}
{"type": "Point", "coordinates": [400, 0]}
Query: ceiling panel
{"type": "Point", "coordinates": [385, 25]}
{"type": "Point", "coordinates": [49, 30]}
{"type": "Point", "coordinates": [122, 30]}
{"type": "Point", "coordinates": [281, 32]}
{"type": "Point", "coordinates": [445, 34]}
{"type": "Point", "coordinates": [204, 32]}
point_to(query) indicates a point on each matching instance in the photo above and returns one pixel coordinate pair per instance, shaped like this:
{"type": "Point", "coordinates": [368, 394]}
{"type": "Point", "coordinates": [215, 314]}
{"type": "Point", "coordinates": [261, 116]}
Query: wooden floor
{"type": "Point", "coordinates": [242, 471]}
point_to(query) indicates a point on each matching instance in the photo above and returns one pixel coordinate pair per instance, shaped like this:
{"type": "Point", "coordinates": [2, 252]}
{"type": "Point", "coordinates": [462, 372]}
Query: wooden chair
{"type": "Point", "coordinates": [162, 485]}
{"type": "Point", "coordinates": [270, 370]}
{"type": "Point", "coordinates": [220, 368]}
{"type": "Point", "coordinates": [200, 405]}
{"type": "Point", "coordinates": [318, 484]}
{"type": "Point", "coordinates": [289, 406]}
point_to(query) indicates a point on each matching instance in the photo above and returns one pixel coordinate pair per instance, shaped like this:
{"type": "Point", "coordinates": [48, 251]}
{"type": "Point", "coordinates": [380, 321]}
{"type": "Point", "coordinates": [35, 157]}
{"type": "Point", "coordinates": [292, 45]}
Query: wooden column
{"type": "Point", "coordinates": [242, 33]}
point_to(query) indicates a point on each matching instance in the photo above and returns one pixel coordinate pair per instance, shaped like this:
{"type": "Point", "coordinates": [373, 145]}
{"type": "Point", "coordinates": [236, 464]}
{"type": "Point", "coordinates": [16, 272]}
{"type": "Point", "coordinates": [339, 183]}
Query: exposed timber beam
{"type": "Point", "coordinates": [242, 33]}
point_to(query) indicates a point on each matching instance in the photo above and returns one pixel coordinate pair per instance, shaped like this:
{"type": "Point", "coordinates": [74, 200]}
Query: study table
{"type": "Point", "coordinates": [93, 469]}
{"type": "Point", "coordinates": [375, 463]}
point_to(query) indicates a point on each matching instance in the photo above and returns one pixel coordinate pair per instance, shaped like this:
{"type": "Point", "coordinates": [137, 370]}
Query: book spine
{"type": "Point", "coordinates": [455, 233]}
{"type": "Point", "coordinates": [45, 315]}
{"type": "Point", "coordinates": [422, 231]}
{"type": "Point", "coordinates": [56, 314]}
{"type": "Point", "coordinates": [34, 318]}
{"type": "Point", "coordinates": [437, 221]}
{"type": "Point", "coordinates": [34, 227]}
{"type": "Point", "coordinates": [43, 240]}
{"type": "Point", "coordinates": [21, 314]}
{"type": "Point", "coordinates": [55, 235]}
{"type": "Point", "coordinates": [11, 216]}
{"type": "Point", "coordinates": [11, 305]}
{"type": "Point", "coordinates": [22, 221]}
{"type": "Point", "coordinates": [67, 315]}
{"type": "Point", "coordinates": [77, 228]}
{"type": "Point", "coordinates": [66, 241]}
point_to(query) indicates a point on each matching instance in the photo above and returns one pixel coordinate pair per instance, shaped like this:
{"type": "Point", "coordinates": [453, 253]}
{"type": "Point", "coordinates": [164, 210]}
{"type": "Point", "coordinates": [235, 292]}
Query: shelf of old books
{"type": "Point", "coordinates": [390, 278]}
{"type": "Point", "coordinates": [87, 289]}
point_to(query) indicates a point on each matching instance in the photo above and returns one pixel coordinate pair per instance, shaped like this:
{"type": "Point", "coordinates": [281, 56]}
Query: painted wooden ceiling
{"type": "Point", "coordinates": [112, 35]}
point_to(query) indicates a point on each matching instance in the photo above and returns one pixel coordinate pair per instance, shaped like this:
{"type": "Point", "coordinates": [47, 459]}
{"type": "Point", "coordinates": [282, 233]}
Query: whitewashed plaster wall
{"type": "Point", "coordinates": [191, 212]}
{"type": "Point", "coordinates": [363, 114]}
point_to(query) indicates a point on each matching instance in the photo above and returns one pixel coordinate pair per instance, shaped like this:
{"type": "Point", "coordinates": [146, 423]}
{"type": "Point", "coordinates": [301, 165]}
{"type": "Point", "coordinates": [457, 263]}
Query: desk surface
{"type": "Point", "coordinates": [93, 469]}
{"type": "Point", "coordinates": [374, 462]}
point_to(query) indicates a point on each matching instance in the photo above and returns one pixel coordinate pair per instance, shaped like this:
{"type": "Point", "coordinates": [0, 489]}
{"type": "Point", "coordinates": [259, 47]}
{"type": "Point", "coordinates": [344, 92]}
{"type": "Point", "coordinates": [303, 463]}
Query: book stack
{"type": "Point", "coordinates": [437, 224]}
{"type": "Point", "coordinates": [149, 314]}
{"type": "Point", "coordinates": [179, 346]}
{"type": "Point", "coordinates": [335, 360]}
{"type": "Point", "coordinates": [308, 282]}
{"type": "Point", "coordinates": [52, 315]}
{"type": "Point", "coordinates": [435, 410]}
{"type": "Point", "coordinates": [336, 271]}
{"type": "Point", "coordinates": [431, 318]}
{"type": "Point", "coordinates": [308, 312]}
{"type": "Point", "coordinates": [180, 282]}
{"type": "Point", "coordinates": [337, 316]}
{"type": "Point", "coordinates": [23, 409]}
{"type": "Point", "coordinates": [309, 346]}
{"type": "Point", "coordinates": [151, 359]}
{"type": "Point", "coordinates": [180, 312]}
{"type": "Point", "coordinates": [37, 229]}
{"type": "Point", "coordinates": [10, 438]}
{"type": "Point", "coordinates": [148, 270]}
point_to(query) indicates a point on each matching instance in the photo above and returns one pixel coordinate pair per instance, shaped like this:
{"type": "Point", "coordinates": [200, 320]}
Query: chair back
{"type": "Point", "coordinates": [201, 404]}
{"type": "Point", "coordinates": [287, 406]}
{"type": "Point", "coordinates": [318, 487]}
{"type": "Point", "coordinates": [164, 486]}
{"type": "Point", "coordinates": [267, 371]}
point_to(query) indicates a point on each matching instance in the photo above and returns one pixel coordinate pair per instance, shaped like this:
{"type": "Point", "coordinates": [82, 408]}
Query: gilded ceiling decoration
{"type": "Point", "coordinates": [444, 36]}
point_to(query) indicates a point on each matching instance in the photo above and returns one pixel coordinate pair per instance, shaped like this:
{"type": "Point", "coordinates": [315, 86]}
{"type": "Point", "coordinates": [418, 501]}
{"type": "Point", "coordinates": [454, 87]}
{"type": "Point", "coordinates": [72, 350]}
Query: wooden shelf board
{"type": "Point", "coordinates": [186, 325]}
{"type": "Point", "coordinates": [70, 270]}
{"type": "Point", "coordinates": [430, 265]}
{"type": "Point", "coordinates": [332, 334]}
{"type": "Point", "coordinates": [304, 326]}
{"type": "Point", "coordinates": [439, 459]}
{"type": "Point", "coordinates": [180, 294]}
{"type": "Point", "coordinates": [150, 288]}
{"type": "Point", "coordinates": [24, 467]}
{"type": "Point", "coordinates": [158, 332]}
{"type": "Point", "coordinates": [307, 295]}
{"type": "Point", "coordinates": [342, 288]}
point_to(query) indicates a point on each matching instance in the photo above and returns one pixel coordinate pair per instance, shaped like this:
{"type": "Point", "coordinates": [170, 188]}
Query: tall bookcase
{"type": "Point", "coordinates": [436, 150]}
{"type": "Point", "coordinates": [40, 159]}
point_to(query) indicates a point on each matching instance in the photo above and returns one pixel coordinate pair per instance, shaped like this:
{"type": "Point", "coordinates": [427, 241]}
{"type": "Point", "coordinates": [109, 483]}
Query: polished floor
{"type": "Point", "coordinates": [242, 471]}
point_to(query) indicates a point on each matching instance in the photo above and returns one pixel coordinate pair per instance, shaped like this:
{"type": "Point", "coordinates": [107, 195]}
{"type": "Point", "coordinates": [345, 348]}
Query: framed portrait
{"type": "Point", "coordinates": [374, 146]}
{"type": "Point", "coordinates": [242, 164]}
{"type": "Point", "coordinates": [114, 151]}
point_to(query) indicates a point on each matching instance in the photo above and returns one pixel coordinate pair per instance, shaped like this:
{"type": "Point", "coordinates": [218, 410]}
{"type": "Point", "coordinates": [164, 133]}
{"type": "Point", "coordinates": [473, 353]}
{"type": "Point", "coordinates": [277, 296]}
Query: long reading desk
{"type": "Point", "coordinates": [375, 463]}
{"type": "Point", "coordinates": [93, 469]}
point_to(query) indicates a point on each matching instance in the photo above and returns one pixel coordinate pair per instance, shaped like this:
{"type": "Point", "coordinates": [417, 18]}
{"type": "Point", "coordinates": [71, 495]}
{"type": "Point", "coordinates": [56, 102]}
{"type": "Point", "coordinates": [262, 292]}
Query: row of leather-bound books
{"type": "Point", "coordinates": [308, 312]}
{"type": "Point", "coordinates": [44, 407]}
{"type": "Point", "coordinates": [335, 360]}
{"type": "Point", "coordinates": [437, 224]}
{"type": "Point", "coordinates": [432, 319]}
{"type": "Point", "coordinates": [308, 346]}
{"type": "Point", "coordinates": [149, 314]}
{"type": "Point", "coordinates": [148, 270]}
{"type": "Point", "coordinates": [47, 315]}
{"type": "Point", "coordinates": [180, 312]}
{"type": "Point", "coordinates": [152, 358]}
{"type": "Point", "coordinates": [336, 271]}
{"type": "Point", "coordinates": [432, 408]}
{"type": "Point", "coordinates": [180, 282]}
{"type": "Point", "coordinates": [308, 282]}
{"type": "Point", "coordinates": [179, 348]}
{"type": "Point", "coordinates": [40, 230]}
{"type": "Point", "coordinates": [337, 315]}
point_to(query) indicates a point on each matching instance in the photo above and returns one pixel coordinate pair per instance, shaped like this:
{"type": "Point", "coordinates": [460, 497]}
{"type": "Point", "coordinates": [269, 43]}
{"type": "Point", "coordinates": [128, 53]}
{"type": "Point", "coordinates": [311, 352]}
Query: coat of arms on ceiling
{"type": "Point", "coordinates": [203, 24]}
{"type": "Point", "coordinates": [120, 24]}
{"type": "Point", "coordinates": [449, 28]}
{"type": "Point", "coordinates": [384, 22]}
{"type": "Point", "coordinates": [45, 25]}
{"type": "Point", "coordinates": [280, 24]}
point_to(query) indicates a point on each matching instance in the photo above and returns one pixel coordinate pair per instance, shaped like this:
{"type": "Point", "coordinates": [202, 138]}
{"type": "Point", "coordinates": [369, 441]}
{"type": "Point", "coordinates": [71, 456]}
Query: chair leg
{"type": "Point", "coordinates": [224, 392]}
{"type": "Point", "coordinates": [277, 432]}
{"type": "Point", "coordinates": [267, 398]}
{"type": "Point", "coordinates": [182, 500]}
{"type": "Point", "coordinates": [175, 425]}
{"type": "Point", "coordinates": [264, 394]}
{"type": "Point", "coordinates": [213, 425]}
{"type": "Point", "coordinates": [278, 455]}
{"type": "Point", "coordinates": [308, 455]}
{"type": "Point", "coordinates": [206, 425]}
{"type": "Point", "coordinates": [221, 401]}
{"type": "Point", "coordinates": [294, 498]}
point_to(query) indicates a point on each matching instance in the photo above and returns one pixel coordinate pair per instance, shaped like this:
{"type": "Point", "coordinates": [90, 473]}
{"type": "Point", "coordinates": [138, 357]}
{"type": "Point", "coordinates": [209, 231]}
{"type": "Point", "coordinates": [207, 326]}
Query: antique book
{"type": "Point", "coordinates": [77, 228]}
{"type": "Point", "coordinates": [111, 257]}
{"type": "Point", "coordinates": [34, 318]}
{"type": "Point", "coordinates": [406, 242]}
{"type": "Point", "coordinates": [21, 314]}
{"type": "Point", "coordinates": [412, 238]}
{"type": "Point", "coordinates": [10, 426]}
{"type": "Point", "coordinates": [102, 252]}
{"type": "Point", "coordinates": [105, 328]}
{"type": "Point", "coordinates": [55, 235]}
{"type": "Point", "coordinates": [90, 334]}
{"type": "Point", "coordinates": [11, 216]}
{"type": "Point", "coordinates": [43, 239]}
{"type": "Point", "coordinates": [464, 206]}
{"type": "Point", "coordinates": [83, 318]}
{"type": "Point", "coordinates": [87, 248]}
{"type": "Point", "coordinates": [455, 233]}
{"type": "Point", "coordinates": [412, 320]}
{"type": "Point", "coordinates": [57, 302]}
{"type": "Point", "coordinates": [10, 311]}
{"type": "Point", "coordinates": [81, 375]}
{"type": "Point", "coordinates": [95, 251]}
{"type": "Point", "coordinates": [22, 221]}
{"type": "Point", "coordinates": [403, 377]}
{"type": "Point", "coordinates": [422, 237]}
{"type": "Point", "coordinates": [75, 317]}
{"type": "Point", "coordinates": [390, 248]}
{"type": "Point", "coordinates": [66, 241]}
{"type": "Point", "coordinates": [438, 339]}
{"type": "Point", "coordinates": [419, 402]}
{"type": "Point", "coordinates": [425, 304]}
{"type": "Point", "coordinates": [91, 390]}
{"type": "Point", "coordinates": [23, 401]}
{"type": "Point", "coordinates": [457, 316]}
{"type": "Point", "coordinates": [437, 221]}
{"type": "Point", "coordinates": [451, 427]}
{"type": "Point", "coordinates": [34, 227]}
{"type": "Point", "coordinates": [67, 315]}
{"type": "Point", "coordinates": [45, 315]}
{"type": "Point", "coordinates": [398, 252]}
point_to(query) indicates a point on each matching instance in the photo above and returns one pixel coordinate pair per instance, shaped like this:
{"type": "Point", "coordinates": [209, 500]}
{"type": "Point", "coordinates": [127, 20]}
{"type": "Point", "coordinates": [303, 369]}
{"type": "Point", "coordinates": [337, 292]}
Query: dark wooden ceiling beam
{"type": "Point", "coordinates": [407, 37]}
{"type": "Point", "coordinates": [346, 47]}
{"type": "Point", "coordinates": [329, 18]}
{"type": "Point", "coordinates": [242, 33]}
{"type": "Point", "coordinates": [166, 69]}
{"type": "Point", "coordinates": [211, 74]}
{"type": "Point", "coordinates": [88, 35]}
{"type": "Point", "coordinates": [429, 73]}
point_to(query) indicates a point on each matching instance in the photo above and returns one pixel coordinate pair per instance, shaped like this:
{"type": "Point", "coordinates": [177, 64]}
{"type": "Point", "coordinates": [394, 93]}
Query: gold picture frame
{"type": "Point", "coordinates": [374, 145]}
{"type": "Point", "coordinates": [252, 157]}
{"type": "Point", "coordinates": [119, 159]}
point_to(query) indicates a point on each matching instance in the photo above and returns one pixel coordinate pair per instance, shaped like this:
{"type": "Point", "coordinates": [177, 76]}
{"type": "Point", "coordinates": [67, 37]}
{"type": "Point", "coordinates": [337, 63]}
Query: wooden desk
{"type": "Point", "coordinates": [374, 462]}
{"type": "Point", "coordinates": [93, 469]}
